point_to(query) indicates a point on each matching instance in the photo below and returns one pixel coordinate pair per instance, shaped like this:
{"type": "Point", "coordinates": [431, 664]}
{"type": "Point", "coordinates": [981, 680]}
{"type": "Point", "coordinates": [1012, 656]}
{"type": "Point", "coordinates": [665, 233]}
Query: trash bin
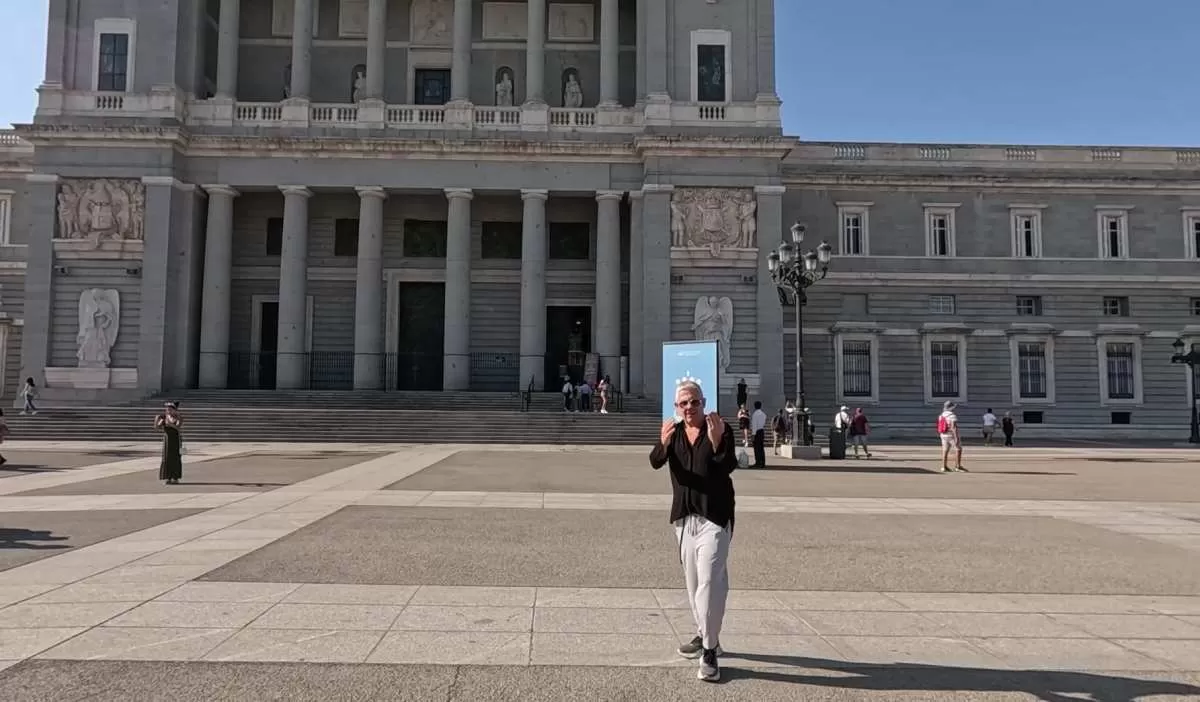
{"type": "Point", "coordinates": [837, 443]}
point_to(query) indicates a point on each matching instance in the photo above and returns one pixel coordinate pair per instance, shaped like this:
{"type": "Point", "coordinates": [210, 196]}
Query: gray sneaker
{"type": "Point", "coordinates": [693, 648]}
{"type": "Point", "coordinates": [709, 670]}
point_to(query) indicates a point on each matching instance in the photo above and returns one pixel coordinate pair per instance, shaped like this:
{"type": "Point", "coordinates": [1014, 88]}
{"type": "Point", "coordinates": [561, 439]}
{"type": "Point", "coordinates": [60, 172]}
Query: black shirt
{"type": "Point", "coordinates": [700, 477]}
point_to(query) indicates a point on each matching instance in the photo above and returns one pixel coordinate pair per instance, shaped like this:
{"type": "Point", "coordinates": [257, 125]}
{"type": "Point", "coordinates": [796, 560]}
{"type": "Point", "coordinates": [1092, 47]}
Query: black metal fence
{"type": "Point", "coordinates": [334, 370]}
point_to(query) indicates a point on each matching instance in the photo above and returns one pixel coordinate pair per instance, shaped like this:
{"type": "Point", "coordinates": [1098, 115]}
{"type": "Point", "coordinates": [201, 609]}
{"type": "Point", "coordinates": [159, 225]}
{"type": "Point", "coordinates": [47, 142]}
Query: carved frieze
{"type": "Point", "coordinates": [505, 20]}
{"type": "Point", "coordinates": [353, 18]}
{"type": "Point", "coordinates": [101, 209]}
{"type": "Point", "coordinates": [571, 22]}
{"type": "Point", "coordinates": [714, 219]}
{"type": "Point", "coordinates": [283, 14]}
{"type": "Point", "coordinates": [432, 22]}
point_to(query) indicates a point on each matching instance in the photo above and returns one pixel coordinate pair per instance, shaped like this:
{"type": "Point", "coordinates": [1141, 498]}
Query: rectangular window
{"type": "Point", "coordinates": [500, 240]}
{"type": "Point", "coordinates": [1029, 305]}
{"type": "Point", "coordinates": [113, 68]}
{"type": "Point", "coordinates": [273, 243]}
{"type": "Point", "coordinates": [431, 86]}
{"type": "Point", "coordinates": [943, 369]}
{"type": "Point", "coordinates": [345, 237]}
{"type": "Point", "coordinates": [5, 217]}
{"type": "Point", "coordinates": [570, 240]}
{"type": "Point", "coordinates": [856, 369]}
{"type": "Point", "coordinates": [1195, 237]}
{"type": "Point", "coordinates": [1191, 233]}
{"type": "Point", "coordinates": [939, 230]}
{"type": "Point", "coordinates": [424, 238]}
{"type": "Point", "coordinates": [711, 73]}
{"type": "Point", "coordinates": [853, 224]}
{"type": "Point", "coordinates": [1119, 364]}
{"type": "Point", "coordinates": [1114, 242]}
{"type": "Point", "coordinates": [1033, 417]}
{"type": "Point", "coordinates": [942, 304]}
{"type": "Point", "coordinates": [1032, 371]}
{"type": "Point", "coordinates": [1027, 233]}
{"type": "Point", "coordinates": [1195, 306]}
{"type": "Point", "coordinates": [1116, 306]}
{"type": "Point", "coordinates": [1122, 418]}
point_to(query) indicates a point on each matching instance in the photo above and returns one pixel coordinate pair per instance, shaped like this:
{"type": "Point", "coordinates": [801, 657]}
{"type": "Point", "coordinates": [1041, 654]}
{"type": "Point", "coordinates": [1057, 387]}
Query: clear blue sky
{"type": "Point", "coordinates": [1009, 71]}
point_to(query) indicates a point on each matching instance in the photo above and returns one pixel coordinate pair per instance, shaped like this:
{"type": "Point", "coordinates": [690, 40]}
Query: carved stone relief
{"type": "Point", "coordinates": [353, 18]}
{"type": "Point", "coordinates": [571, 22]}
{"type": "Point", "coordinates": [103, 209]}
{"type": "Point", "coordinates": [504, 87]}
{"type": "Point", "coordinates": [572, 92]}
{"type": "Point", "coordinates": [505, 20]}
{"type": "Point", "coordinates": [283, 14]}
{"type": "Point", "coordinates": [99, 323]}
{"type": "Point", "coordinates": [432, 21]}
{"type": "Point", "coordinates": [714, 219]}
{"type": "Point", "coordinates": [713, 321]}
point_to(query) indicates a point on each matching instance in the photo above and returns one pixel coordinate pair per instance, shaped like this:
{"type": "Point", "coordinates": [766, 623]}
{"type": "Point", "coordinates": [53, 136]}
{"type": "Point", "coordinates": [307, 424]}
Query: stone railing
{"type": "Point", "coordinates": [1015, 156]}
{"type": "Point", "coordinates": [257, 113]}
{"type": "Point", "coordinates": [572, 117]}
{"type": "Point", "coordinates": [424, 116]}
{"type": "Point", "coordinates": [9, 137]}
{"type": "Point", "coordinates": [333, 114]}
{"type": "Point", "coordinates": [498, 117]}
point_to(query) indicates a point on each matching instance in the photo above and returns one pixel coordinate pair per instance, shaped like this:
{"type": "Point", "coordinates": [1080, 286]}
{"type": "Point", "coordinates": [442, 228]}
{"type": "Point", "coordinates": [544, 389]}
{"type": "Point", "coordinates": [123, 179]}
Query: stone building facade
{"type": "Point", "coordinates": [467, 194]}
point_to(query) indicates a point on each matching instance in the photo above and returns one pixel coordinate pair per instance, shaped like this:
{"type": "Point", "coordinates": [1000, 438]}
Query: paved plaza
{"type": "Point", "coordinates": [384, 572]}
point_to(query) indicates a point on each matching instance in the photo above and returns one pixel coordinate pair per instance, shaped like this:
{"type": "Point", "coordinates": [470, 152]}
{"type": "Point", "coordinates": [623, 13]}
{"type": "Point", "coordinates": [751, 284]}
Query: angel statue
{"type": "Point", "coordinates": [99, 315]}
{"type": "Point", "coordinates": [714, 322]}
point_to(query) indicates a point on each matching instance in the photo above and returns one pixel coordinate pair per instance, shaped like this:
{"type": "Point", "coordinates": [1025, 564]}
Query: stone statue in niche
{"type": "Point", "coordinates": [287, 81]}
{"type": "Point", "coordinates": [572, 91]}
{"type": "Point", "coordinates": [713, 219]}
{"type": "Point", "coordinates": [103, 209]}
{"type": "Point", "coordinates": [358, 83]}
{"type": "Point", "coordinates": [431, 21]}
{"type": "Point", "coordinates": [714, 322]}
{"type": "Point", "coordinates": [99, 323]}
{"type": "Point", "coordinates": [504, 88]}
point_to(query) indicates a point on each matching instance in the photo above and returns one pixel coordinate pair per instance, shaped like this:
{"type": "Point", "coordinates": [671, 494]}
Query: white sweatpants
{"type": "Point", "coordinates": [704, 551]}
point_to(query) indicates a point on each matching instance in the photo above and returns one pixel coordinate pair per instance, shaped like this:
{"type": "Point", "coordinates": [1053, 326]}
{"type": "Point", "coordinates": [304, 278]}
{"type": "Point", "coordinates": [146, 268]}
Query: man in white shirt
{"type": "Point", "coordinates": [841, 420]}
{"type": "Point", "coordinates": [947, 427]}
{"type": "Point", "coordinates": [758, 426]}
{"type": "Point", "coordinates": [989, 426]}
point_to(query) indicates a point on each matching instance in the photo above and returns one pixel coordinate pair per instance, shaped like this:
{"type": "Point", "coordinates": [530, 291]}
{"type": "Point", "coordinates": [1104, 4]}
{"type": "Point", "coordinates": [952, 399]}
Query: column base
{"type": "Point", "coordinates": [289, 371]}
{"type": "Point", "coordinates": [460, 114]}
{"type": "Point", "coordinates": [368, 371]}
{"type": "Point", "coordinates": [372, 113]}
{"type": "Point", "coordinates": [658, 109]}
{"type": "Point", "coordinates": [533, 367]}
{"type": "Point", "coordinates": [766, 110]}
{"type": "Point", "coordinates": [456, 372]}
{"type": "Point", "coordinates": [214, 370]}
{"type": "Point", "coordinates": [296, 112]}
{"type": "Point", "coordinates": [535, 116]}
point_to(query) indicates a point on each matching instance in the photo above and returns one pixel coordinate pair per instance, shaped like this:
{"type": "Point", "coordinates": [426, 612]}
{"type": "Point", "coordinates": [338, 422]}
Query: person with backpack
{"type": "Point", "coordinates": [859, 428]}
{"type": "Point", "coordinates": [779, 427]}
{"type": "Point", "coordinates": [947, 428]}
{"type": "Point", "coordinates": [27, 394]}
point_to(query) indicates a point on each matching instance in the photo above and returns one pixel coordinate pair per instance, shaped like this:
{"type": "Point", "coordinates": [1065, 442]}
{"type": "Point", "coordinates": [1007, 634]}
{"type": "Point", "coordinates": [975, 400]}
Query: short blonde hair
{"type": "Point", "coordinates": [689, 388]}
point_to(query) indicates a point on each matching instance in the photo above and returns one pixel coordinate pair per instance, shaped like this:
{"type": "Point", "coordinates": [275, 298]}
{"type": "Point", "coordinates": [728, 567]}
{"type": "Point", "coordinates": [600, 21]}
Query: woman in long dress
{"type": "Point", "coordinates": [170, 423]}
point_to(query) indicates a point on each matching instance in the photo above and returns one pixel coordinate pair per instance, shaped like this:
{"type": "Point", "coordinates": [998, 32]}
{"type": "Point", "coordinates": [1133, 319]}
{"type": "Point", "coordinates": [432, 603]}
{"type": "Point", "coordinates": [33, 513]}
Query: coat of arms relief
{"type": "Point", "coordinates": [101, 209]}
{"type": "Point", "coordinates": [714, 219]}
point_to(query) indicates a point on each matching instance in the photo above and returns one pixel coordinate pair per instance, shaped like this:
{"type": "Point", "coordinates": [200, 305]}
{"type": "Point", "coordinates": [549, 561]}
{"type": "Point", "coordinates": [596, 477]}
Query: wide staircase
{"type": "Point", "coordinates": [340, 416]}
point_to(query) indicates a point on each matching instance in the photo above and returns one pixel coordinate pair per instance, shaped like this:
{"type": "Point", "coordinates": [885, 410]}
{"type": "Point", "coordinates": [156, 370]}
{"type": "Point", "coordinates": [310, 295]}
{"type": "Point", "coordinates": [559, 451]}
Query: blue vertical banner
{"type": "Point", "coordinates": [694, 361]}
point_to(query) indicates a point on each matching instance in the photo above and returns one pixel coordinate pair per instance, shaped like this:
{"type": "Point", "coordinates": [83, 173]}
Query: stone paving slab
{"type": "Point", "coordinates": [902, 473]}
{"type": "Point", "coordinates": [26, 537]}
{"type": "Point", "coordinates": [240, 473]}
{"type": "Point", "coordinates": [799, 677]}
{"type": "Point", "coordinates": [25, 462]}
{"type": "Point", "coordinates": [889, 552]}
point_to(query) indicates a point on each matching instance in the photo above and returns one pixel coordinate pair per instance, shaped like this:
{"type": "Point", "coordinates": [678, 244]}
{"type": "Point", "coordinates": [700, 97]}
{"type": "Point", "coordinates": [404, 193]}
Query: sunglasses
{"type": "Point", "coordinates": [689, 403]}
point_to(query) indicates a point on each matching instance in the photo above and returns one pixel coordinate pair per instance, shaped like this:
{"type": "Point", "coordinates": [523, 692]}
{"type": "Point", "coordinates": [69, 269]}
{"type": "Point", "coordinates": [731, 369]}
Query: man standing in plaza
{"type": "Point", "coordinates": [700, 452]}
{"type": "Point", "coordinates": [947, 426]}
{"type": "Point", "coordinates": [758, 428]}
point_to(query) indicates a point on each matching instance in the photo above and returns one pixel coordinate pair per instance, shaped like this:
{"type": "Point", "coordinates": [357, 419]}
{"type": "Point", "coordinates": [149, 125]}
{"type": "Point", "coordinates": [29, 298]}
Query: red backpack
{"type": "Point", "coordinates": [942, 425]}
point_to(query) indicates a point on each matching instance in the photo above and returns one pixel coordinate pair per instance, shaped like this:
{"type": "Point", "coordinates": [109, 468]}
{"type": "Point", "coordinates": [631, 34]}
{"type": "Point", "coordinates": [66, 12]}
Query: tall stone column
{"type": "Point", "coordinates": [770, 327]}
{"type": "Point", "coordinates": [533, 288]}
{"type": "Point", "coordinates": [302, 48]}
{"type": "Point", "coordinates": [291, 361]}
{"type": "Point", "coordinates": [635, 292]}
{"type": "Point", "coordinates": [460, 61]}
{"type": "Point", "coordinates": [216, 296]}
{"type": "Point", "coordinates": [456, 352]}
{"type": "Point", "coordinates": [608, 282]}
{"type": "Point", "coordinates": [227, 49]}
{"type": "Point", "coordinates": [376, 48]}
{"type": "Point", "coordinates": [658, 60]}
{"type": "Point", "coordinates": [609, 49]}
{"type": "Point", "coordinates": [42, 209]}
{"type": "Point", "coordinates": [535, 53]}
{"type": "Point", "coordinates": [368, 291]}
{"type": "Point", "coordinates": [656, 282]}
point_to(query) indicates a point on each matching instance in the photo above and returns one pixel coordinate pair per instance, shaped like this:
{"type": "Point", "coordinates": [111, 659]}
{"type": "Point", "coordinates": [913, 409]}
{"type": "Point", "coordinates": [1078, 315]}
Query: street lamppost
{"type": "Point", "coordinates": [794, 272]}
{"type": "Point", "coordinates": [1191, 359]}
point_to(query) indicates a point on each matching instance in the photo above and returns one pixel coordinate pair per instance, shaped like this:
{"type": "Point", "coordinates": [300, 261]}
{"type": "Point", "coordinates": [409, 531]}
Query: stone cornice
{"type": "Point", "coordinates": [950, 180]}
{"type": "Point", "coordinates": [93, 135]}
{"type": "Point", "coordinates": [388, 147]}
{"type": "Point", "coordinates": [742, 147]}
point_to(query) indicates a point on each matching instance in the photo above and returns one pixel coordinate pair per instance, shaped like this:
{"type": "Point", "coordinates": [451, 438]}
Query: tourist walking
{"type": "Point", "coordinates": [568, 391]}
{"type": "Point", "coordinates": [947, 426]}
{"type": "Point", "coordinates": [779, 427]}
{"type": "Point", "coordinates": [585, 396]}
{"type": "Point", "coordinates": [758, 424]}
{"type": "Point", "coordinates": [28, 392]}
{"type": "Point", "coordinates": [701, 455]}
{"type": "Point", "coordinates": [744, 424]}
{"type": "Point", "coordinates": [1008, 427]}
{"type": "Point", "coordinates": [170, 424]}
{"type": "Point", "coordinates": [743, 396]}
{"type": "Point", "coordinates": [604, 388]}
{"type": "Point", "coordinates": [989, 426]}
{"type": "Point", "coordinates": [859, 429]}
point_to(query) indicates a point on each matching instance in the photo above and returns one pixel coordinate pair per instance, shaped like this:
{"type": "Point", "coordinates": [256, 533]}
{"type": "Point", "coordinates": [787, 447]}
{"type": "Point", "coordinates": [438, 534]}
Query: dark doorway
{"type": "Point", "coordinates": [421, 315]}
{"type": "Point", "coordinates": [431, 86]}
{"type": "Point", "coordinates": [268, 345]}
{"type": "Point", "coordinates": [568, 341]}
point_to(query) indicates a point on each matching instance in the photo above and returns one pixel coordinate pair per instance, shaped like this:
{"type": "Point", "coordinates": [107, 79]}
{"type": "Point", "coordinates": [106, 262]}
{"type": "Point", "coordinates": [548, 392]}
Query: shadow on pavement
{"type": "Point", "coordinates": [823, 467]}
{"type": "Point", "coordinates": [1046, 685]}
{"type": "Point", "coordinates": [184, 483]}
{"type": "Point", "coordinates": [22, 538]}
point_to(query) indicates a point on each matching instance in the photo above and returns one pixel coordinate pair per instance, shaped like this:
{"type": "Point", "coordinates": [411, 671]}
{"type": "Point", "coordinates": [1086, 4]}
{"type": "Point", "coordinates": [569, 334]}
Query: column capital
{"type": "Point", "coordinates": [636, 194]}
{"type": "Point", "coordinates": [299, 190]}
{"type": "Point", "coordinates": [365, 191]}
{"type": "Point", "coordinates": [658, 188]}
{"type": "Point", "coordinates": [609, 194]}
{"type": "Point", "coordinates": [41, 178]}
{"type": "Point", "coordinates": [459, 193]}
{"type": "Point", "coordinates": [534, 194]}
{"type": "Point", "coordinates": [220, 190]}
{"type": "Point", "coordinates": [769, 190]}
